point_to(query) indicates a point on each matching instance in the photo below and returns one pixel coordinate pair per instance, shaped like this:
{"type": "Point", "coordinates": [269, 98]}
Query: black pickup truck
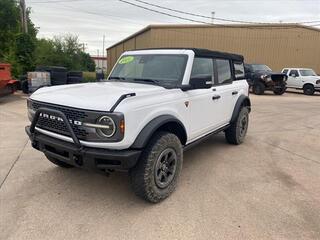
{"type": "Point", "coordinates": [261, 78]}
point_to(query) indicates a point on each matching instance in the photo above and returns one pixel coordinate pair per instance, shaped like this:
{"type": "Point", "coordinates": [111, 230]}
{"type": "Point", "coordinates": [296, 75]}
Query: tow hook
{"type": "Point", "coordinates": [77, 160]}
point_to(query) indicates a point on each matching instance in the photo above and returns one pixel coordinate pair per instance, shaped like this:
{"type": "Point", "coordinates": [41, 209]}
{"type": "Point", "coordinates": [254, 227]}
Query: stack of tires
{"type": "Point", "coordinates": [59, 75]}
{"type": "Point", "coordinates": [74, 77]}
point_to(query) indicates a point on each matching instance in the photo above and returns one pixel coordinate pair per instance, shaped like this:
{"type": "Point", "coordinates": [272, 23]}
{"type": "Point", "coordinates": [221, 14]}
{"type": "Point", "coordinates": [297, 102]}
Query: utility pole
{"type": "Point", "coordinates": [98, 58]}
{"type": "Point", "coordinates": [23, 13]}
{"type": "Point", "coordinates": [212, 16]}
{"type": "Point", "coordinates": [104, 37]}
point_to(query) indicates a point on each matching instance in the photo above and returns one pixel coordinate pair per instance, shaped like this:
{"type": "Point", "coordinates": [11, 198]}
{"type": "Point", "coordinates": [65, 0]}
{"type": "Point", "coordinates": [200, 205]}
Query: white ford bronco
{"type": "Point", "coordinates": [302, 78]}
{"type": "Point", "coordinates": [155, 104]}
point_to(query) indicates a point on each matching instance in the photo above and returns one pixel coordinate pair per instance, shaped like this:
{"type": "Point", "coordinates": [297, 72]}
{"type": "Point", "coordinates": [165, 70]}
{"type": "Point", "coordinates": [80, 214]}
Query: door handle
{"type": "Point", "coordinates": [216, 97]}
{"type": "Point", "coordinates": [234, 92]}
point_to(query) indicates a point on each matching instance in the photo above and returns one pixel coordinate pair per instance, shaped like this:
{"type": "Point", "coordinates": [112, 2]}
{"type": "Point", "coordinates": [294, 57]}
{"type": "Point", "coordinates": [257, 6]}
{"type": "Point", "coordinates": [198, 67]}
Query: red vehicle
{"type": "Point", "coordinates": [7, 84]}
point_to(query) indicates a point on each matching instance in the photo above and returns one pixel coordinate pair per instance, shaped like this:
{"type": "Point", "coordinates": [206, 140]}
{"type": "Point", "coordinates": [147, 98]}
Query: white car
{"type": "Point", "coordinates": [155, 104]}
{"type": "Point", "coordinates": [302, 78]}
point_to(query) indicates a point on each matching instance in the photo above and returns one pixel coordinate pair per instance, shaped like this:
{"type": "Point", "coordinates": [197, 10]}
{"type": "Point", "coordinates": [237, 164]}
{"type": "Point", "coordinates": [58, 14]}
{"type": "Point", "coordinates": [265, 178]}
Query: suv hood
{"type": "Point", "coordinates": [99, 96]}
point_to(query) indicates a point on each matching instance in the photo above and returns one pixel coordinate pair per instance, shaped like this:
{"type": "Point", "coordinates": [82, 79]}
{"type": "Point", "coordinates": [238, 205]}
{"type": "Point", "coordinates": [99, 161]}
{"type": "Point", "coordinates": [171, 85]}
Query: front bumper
{"type": "Point", "coordinates": [75, 153]}
{"type": "Point", "coordinates": [95, 159]}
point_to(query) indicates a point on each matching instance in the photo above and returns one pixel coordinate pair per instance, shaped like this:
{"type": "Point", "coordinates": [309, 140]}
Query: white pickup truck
{"type": "Point", "coordinates": [154, 104]}
{"type": "Point", "coordinates": [302, 78]}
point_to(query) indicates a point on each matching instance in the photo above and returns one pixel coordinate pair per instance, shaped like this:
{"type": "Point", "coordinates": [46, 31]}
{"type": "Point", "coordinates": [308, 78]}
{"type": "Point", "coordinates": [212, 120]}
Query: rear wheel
{"type": "Point", "coordinates": [258, 88]}
{"type": "Point", "coordinates": [308, 89]}
{"type": "Point", "coordinates": [59, 163]}
{"type": "Point", "coordinates": [237, 131]}
{"type": "Point", "coordinates": [156, 174]}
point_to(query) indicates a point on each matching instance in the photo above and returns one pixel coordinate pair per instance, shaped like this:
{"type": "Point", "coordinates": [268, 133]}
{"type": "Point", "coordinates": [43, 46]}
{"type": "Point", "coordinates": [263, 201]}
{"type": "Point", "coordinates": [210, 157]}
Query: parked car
{"type": "Point", "coordinates": [303, 79]}
{"type": "Point", "coordinates": [261, 78]}
{"type": "Point", "coordinates": [155, 104]}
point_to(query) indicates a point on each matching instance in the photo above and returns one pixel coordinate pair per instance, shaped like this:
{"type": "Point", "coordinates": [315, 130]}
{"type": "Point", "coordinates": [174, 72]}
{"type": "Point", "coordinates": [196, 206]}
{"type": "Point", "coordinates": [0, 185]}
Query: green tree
{"type": "Point", "coordinates": [25, 47]}
{"type": "Point", "coordinates": [16, 48]}
{"type": "Point", "coordinates": [65, 51]}
{"type": "Point", "coordinates": [9, 26]}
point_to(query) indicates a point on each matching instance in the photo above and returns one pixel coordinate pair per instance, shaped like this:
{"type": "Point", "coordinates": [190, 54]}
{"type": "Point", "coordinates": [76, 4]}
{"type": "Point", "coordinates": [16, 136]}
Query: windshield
{"type": "Point", "coordinates": [260, 67]}
{"type": "Point", "coordinates": [307, 72]}
{"type": "Point", "coordinates": [159, 69]}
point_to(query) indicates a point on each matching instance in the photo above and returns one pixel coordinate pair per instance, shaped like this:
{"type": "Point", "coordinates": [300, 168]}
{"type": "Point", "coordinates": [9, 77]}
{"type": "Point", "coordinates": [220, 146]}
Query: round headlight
{"type": "Point", "coordinates": [107, 128]}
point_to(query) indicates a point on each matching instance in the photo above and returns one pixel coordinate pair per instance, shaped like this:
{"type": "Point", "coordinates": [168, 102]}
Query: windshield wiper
{"type": "Point", "coordinates": [146, 80]}
{"type": "Point", "coordinates": [117, 78]}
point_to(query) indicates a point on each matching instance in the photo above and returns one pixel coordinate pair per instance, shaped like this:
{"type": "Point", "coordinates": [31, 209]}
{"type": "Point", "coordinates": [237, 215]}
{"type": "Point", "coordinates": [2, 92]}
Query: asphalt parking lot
{"type": "Point", "coordinates": [266, 188]}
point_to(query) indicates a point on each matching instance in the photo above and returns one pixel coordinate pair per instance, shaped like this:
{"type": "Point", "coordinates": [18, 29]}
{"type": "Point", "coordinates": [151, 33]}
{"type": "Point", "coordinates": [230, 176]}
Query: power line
{"type": "Point", "coordinates": [210, 18]}
{"type": "Point", "coordinates": [57, 1]}
{"type": "Point", "coordinates": [202, 22]}
{"type": "Point", "coordinates": [181, 12]}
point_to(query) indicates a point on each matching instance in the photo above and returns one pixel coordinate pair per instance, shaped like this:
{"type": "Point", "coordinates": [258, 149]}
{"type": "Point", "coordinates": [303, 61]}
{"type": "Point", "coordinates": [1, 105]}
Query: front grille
{"type": "Point", "coordinates": [59, 126]}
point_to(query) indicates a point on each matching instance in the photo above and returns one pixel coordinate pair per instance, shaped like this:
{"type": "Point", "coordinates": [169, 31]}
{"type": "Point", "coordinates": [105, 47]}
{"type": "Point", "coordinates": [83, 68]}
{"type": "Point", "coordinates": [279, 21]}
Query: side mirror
{"type": "Point", "coordinates": [293, 75]}
{"type": "Point", "coordinates": [201, 82]}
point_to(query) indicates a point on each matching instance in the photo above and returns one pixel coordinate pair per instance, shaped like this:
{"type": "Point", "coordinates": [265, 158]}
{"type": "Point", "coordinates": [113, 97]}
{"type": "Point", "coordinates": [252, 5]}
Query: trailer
{"type": "Point", "coordinates": [8, 85]}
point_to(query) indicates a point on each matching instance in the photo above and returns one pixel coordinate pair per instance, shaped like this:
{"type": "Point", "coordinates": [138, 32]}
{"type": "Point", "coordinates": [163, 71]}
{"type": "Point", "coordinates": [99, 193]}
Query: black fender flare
{"type": "Point", "coordinates": [242, 101]}
{"type": "Point", "coordinates": [147, 132]}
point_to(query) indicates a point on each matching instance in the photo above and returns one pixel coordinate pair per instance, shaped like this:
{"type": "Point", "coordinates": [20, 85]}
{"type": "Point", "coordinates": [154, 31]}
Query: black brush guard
{"type": "Point", "coordinates": [75, 153]}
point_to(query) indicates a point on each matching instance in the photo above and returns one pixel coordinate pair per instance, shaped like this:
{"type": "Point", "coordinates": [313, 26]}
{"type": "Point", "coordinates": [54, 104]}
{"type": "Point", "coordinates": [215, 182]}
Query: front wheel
{"type": "Point", "coordinates": [308, 89]}
{"type": "Point", "coordinates": [156, 174]}
{"type": "Point", "coordinates": [237, 131]}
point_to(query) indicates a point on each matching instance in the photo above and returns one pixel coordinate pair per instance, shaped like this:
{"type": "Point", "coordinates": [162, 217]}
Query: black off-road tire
{"type": "Point", "coordinates": [308, 89]}
{"type": "Point", "coordinates": [25, 87]}
{"type": "Point", "coordinates": [236, 132]}
{"type": "Point", "coordinates": [143, 176]}
{"type": "Point", "coordinates": [258, 88]}
{"type": "Point", "coordinates": [59, 163]}
{"type": "Point", "coordinates": [279, 91]}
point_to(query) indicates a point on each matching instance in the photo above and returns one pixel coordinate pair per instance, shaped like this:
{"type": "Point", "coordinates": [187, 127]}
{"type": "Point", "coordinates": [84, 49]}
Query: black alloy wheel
{"type": "Point", "coordinates": [165, 168]}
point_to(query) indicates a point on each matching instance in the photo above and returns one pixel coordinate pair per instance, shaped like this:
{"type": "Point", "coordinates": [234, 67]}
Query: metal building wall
{"type": "Point", "coordinates": [277, 47]}
{"type": "Point", "coordinates": [139, 41]}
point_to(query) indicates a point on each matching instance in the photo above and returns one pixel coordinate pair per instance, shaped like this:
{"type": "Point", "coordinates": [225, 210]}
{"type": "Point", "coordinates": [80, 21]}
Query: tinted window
{"type": "Point", "coordinates": [223, 71]}
{"type": "Point", "coordinates": [285, 71]}
{"type": "Point", "coordinates": [202, 67]}
{"type": "Point", "coordinates": [238, 70]}
{"type": "Point", "coordinates": [294, 73]}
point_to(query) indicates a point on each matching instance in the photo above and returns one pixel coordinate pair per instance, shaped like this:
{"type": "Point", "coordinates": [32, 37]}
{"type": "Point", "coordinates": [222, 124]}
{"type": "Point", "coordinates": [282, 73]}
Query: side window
{"type": "Point", "coordinates": [294, 73]}
{"type": "Point", "coordinates": [223, 71]}
{"type": "Point", "coordinates": [238, 70]}
{"type": "Point", "coordinates": [202, 67]}
{"type": "Point", "coordinates": [285, 71]}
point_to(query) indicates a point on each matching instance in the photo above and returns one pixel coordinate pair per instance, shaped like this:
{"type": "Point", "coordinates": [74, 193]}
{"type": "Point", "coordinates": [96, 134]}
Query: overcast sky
{"type": "Point", "coordinates": [91, 19]}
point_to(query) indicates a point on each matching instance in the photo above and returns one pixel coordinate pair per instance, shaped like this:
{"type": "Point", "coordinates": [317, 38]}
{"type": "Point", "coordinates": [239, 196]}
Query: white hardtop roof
{"type": "Point", "coordinates": [295, 68]}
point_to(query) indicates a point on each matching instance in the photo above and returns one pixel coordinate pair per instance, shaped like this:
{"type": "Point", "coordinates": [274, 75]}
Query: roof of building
{"type": "Point", "coordinates": [247, 26]}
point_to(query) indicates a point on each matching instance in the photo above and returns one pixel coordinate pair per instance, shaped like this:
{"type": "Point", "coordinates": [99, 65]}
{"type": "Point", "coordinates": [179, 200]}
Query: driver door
{"type": "Point", "coordinates": [294, 79]}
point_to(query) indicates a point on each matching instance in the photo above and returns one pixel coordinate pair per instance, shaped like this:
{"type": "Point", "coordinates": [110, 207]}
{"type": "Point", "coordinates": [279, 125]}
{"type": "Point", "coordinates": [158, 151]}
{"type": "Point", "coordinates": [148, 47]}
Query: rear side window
{"type": "Point", "coordinates": [202, 67]}
{"type": "Point", "coordinates": [285, 71]}
{"type": "Point", "coordinates": [294, 73]}
{"type": "Point", "coordinates": [238, 70]}
{"type": "Point", "coordinates": [223, 71]}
